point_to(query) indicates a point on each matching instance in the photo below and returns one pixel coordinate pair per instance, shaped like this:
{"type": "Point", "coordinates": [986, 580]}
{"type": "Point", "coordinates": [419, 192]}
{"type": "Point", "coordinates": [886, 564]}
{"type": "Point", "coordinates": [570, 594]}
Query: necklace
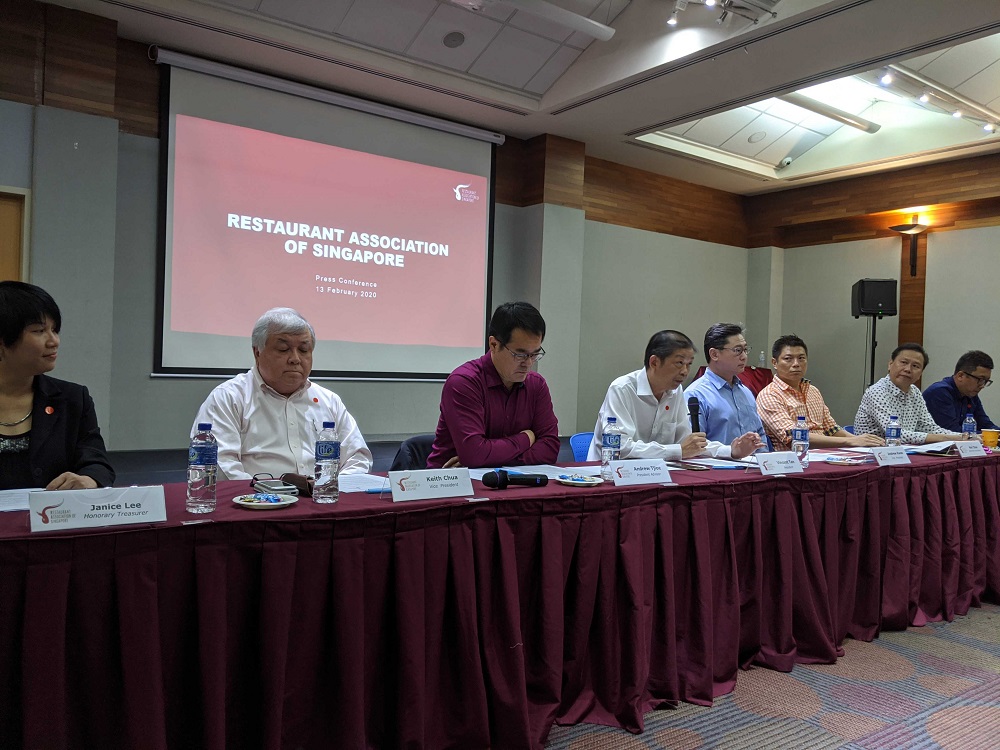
{"type": "Point", "coordinates": [15, 424]}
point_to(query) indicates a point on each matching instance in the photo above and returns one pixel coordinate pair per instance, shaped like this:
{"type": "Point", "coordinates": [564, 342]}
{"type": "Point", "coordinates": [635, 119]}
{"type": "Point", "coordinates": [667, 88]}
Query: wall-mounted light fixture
{"type": "Point", "coordinates": [913, 229]}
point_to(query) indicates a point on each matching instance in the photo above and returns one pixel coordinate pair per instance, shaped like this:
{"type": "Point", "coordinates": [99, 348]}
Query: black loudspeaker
{"type": "Point", "coordinates": [873, 297]}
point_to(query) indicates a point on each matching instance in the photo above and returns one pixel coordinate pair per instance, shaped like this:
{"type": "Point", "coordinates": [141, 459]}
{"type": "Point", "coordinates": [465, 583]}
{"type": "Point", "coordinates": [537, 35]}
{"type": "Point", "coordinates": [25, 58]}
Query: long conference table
{"type": "Point", "coordinates": [457, 624]}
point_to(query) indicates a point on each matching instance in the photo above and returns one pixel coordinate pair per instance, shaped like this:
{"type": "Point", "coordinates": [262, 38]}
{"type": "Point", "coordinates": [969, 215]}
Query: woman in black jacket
{"type": "Point", "coordinates": [48, 428]}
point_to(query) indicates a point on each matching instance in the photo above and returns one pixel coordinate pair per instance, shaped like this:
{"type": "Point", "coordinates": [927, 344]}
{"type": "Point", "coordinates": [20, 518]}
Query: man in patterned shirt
{"type": "Point", "coordinates": [896, 395]}
{"type": "Point", "coordinates": [782, 400]}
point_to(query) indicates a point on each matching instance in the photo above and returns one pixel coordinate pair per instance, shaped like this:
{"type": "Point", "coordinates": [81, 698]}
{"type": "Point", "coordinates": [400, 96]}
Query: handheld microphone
{"type": "Point", "coordinates": [694, 408]}
{"type": "Point", "coordinates": [499, 479]}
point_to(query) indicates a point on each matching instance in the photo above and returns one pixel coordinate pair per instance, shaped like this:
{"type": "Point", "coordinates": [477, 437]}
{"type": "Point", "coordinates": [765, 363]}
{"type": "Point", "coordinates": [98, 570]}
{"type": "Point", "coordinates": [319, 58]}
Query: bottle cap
{"type": "Point", "coordinates": [612, 420]}
{"type": "Point", "coordinates": [204, 426]}
{"type": "Point", "coordinates": [329, 425]}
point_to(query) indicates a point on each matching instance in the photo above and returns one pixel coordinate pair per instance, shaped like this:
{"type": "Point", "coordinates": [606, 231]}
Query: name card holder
{"type": "Point", "coordinates": [779, 462]}
{"type": "Point", "coordinates": [892, 455]}
{"type": "Point", "coordinates": [970, 449]}
{"type": "Point", "coordinates": [640, 471]}
{"type": "Point", "coordinates": [57, 510]}
{"type": "Point", "coordinates": [429, 484]}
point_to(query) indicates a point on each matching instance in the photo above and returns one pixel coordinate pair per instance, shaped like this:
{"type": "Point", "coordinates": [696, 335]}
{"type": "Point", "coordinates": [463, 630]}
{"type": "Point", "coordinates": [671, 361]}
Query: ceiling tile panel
{"type": "Point", "coordinates": [551, 71]}
{"type": "Point", "coordinates": [919, 63]}
{"type": "Point", "coordinates": [757, 135]}
{"type": "Point", "coordinates": [714, 130]}
{"type": "Point", "coordinates": [682, 128]}
{"type": "Point", "coordinates": [541, 26]}
{"type": "Point", "coordinates": [963, 61]}
{"type": "Point", "coordinates": [794, 143]}
{"type": "Point", "coordinates": [984, 85]}
{"type": "Point", "coordinates": [786, 111]}
{"type": "Point", "coordinates": [325, 15]}
{"type": "Point", "coordinates": [478, 30]}
{"type": "Point", "coordinates": [513, 57]}
{"type": "Point", "coordinates": [386, 24]}
{"type": "Point", "coordinates": [820, 124]}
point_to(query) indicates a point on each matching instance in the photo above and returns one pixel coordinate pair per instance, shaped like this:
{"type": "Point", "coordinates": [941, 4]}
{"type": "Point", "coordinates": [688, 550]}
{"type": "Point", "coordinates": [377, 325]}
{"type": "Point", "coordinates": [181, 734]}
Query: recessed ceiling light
{"type": "Point", "coordinates": [672, 21]}
{"type": "Point", "coordinates": [886, 78]}
{"type": "Point", "coordinates": [957, 113]}
{"type": "Point", "coordinates": [989, 127]}
{"type": "Point", "coordinates": [710, 3]}
{"type": "Point", "coordinates": [453, 39]}
{"type": "Point", "coordinates": [925, 98]}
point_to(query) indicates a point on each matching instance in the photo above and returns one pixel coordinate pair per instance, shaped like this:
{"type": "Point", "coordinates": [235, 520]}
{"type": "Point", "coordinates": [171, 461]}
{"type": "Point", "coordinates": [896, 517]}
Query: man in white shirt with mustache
{"type": "Point", "coordinates": [267, 420]}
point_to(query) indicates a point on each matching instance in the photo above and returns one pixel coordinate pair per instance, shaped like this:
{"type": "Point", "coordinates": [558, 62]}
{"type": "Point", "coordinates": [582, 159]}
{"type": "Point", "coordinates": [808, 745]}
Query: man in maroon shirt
{"type": "Point", "coordinates": [495, 410]}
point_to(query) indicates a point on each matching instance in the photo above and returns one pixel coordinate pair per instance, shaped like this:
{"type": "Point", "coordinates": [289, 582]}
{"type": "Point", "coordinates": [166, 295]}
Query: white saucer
{"type": "Point", "coordinates": [579, 481]}
{"type": "Point", "coordinates": [248, 501]}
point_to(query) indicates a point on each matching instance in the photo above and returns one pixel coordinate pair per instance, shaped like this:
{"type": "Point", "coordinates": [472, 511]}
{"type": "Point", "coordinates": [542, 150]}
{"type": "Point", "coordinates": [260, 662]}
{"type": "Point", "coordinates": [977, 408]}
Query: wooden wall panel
{"type": "Point", "coordinates": [81, 53]}
{"type": "Point", "coordinates": [957, 181]}
{"type": "Point", "coordinates": [511, 165]}
{"type": "Point", "coordinates": [911, 291]}
{"type": "Point", "coordinates": [564, 171]}
{"type": "Point", "coordinates": [544, 169]}
{"type": "Point", "coordinates": [22, 51]}
{"type": "Point", "coordinates": [137, 90]}
{"type": "Point", "coordinates": [616, 194]}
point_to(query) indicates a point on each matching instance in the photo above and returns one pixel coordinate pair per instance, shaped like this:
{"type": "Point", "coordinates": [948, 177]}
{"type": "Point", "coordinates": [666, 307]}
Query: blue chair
{"type": "Point", "coordinates": [849, 428]}
{"type": "Point", "coordinates": [580, 443]}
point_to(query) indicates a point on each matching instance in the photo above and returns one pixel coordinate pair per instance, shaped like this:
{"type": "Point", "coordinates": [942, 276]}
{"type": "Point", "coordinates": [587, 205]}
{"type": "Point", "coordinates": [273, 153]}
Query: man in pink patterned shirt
{"type": "Point", "coordinates": [789, 395]}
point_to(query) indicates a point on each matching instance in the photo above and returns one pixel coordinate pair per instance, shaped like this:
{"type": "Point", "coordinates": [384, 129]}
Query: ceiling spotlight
{"type": "Point", "coordinates": [989, 127]}
{"type": "Point", "coordinates": [925, 97]}
{"type": "Point", "coordinates": [672, 21]}
{"type": "Point", "coordinates": [886, 78]}
{"type": "Point", "coordinates": [956, 114]}
{"type": "Point", "coordinates": [709, 3]}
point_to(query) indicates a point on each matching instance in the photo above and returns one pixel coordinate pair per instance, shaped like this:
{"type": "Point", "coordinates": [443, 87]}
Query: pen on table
{"type": "Point", "coordinates": [376, 490]}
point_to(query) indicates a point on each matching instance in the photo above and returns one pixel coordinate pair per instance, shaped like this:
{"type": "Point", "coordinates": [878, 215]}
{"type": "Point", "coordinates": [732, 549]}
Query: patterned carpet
{"type": "Point", "coordinates": [932, 687]}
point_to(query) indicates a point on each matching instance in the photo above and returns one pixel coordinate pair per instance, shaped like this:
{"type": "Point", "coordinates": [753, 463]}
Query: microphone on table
{"type": "Point", "coordinates": [499, 479]}
{"type": "Point", "coordinates": [694, 408]}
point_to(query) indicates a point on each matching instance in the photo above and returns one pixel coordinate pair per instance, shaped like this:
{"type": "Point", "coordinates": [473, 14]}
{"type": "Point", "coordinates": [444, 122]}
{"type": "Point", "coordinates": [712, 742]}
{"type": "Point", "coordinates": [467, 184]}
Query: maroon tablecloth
{"type": "Point", "coordinates": [471, 625]}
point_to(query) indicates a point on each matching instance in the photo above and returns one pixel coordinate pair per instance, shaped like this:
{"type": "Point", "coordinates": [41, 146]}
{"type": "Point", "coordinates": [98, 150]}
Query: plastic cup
{"type": "Point", "coordinates": [990, 438]}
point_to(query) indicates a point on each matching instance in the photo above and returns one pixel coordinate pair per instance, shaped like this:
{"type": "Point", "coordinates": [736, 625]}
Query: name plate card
{"type": "Point", "coordinates": [429, 484]}
{"type": "Point", "coordinates": [892, 455]}
{"type": "Point", "coordinates": [970, 449]}
{"type": "Point", "coordinates": [57, 510]}
{"type": "Point", "coordinates": [779, 462]}
{"type": "Point", "coordinates": [641, 471]}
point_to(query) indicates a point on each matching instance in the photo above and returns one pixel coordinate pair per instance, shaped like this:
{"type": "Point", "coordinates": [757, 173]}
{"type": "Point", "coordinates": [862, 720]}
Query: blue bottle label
{"type": "Point", "coordinates": [800, 434]}
{"type": "Point", "coordinates": [612, 441]}
{"type": "Point", "coordinates": [203, 455]}
{"type": "Point", "coordinates": [328, 450]}
{"type": "Point", "coordinates": [893, 433]}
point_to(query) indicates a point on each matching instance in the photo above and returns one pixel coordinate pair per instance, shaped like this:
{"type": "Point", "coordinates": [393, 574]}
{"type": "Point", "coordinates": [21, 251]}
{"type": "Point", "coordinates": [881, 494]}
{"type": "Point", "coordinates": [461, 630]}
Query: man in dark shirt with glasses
{"type": "Point", "coordinates": [950, 399]}
{"type": "Point", "coordinates": [496, 410]}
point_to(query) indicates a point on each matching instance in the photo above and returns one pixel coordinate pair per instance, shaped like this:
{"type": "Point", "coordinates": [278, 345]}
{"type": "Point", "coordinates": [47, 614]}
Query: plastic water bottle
{"type": "Point", "coordinates": [893, 431]}
{"type": "Point", "coordinates": [800, 441]}
{"type": "Point", "coordinates": [611, 447]}
{"type": "Point", "coordinates": [203, 466]}
{"type": "Point", "coordinates": [327, 487]}
{"type": "Point", "coordinates": [969, 426]}
{"type": "Point", "coordinates": [761, 362]}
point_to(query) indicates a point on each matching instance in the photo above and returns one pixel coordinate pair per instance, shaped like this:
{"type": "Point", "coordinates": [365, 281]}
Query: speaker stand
{"type": "Point", "coordinates": [874, 344]}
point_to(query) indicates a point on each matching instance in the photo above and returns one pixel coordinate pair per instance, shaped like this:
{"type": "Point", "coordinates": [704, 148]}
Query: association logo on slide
{"type": "Point", "coordinates": [465, 194]}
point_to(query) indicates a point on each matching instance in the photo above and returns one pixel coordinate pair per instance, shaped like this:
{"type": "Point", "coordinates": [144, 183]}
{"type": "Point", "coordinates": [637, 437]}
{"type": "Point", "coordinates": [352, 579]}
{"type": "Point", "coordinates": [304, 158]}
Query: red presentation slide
{"type": "Point", "coordinates": [367, 248]}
